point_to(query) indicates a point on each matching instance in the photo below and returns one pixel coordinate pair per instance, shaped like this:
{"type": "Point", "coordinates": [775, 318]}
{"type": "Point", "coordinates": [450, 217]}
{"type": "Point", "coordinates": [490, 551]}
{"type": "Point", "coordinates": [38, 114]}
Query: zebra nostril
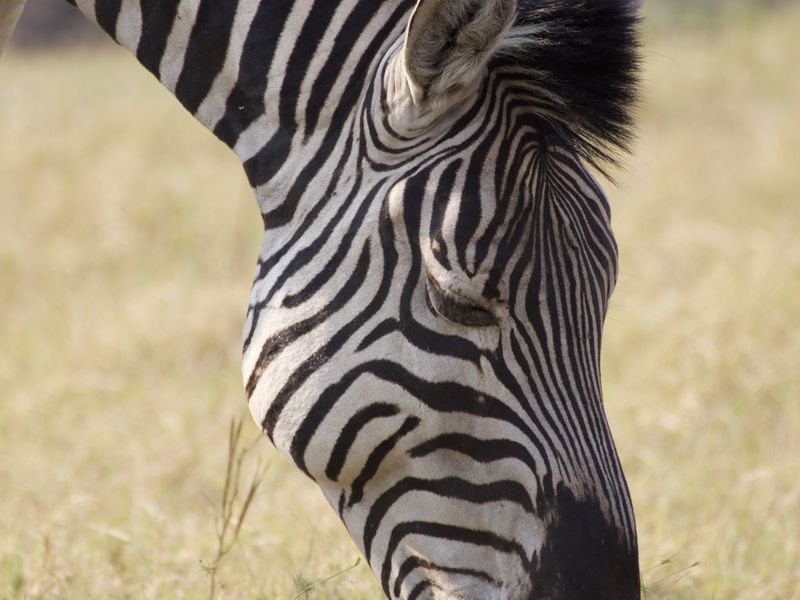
{"type": "Point", "coordinates": [456, 308]}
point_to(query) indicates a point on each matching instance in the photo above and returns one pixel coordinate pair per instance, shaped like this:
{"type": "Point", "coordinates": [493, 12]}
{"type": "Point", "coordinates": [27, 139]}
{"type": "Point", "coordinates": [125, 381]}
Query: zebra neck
{"type": "Point", "coordinates": [265, 76]}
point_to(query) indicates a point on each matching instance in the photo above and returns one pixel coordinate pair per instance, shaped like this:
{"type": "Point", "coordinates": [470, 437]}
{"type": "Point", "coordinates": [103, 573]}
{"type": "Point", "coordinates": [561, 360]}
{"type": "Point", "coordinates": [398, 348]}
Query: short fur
{"type": "Point", "coordinates": [582, 61]}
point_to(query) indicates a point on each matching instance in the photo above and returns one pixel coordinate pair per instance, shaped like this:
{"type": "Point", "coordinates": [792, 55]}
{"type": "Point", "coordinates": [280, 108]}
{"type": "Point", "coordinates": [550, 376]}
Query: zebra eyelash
{"type": "Point", "coordinates": [456, 308]}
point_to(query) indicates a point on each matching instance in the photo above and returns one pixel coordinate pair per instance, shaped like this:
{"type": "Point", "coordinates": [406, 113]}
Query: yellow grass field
{"type": "Point", "coordinates": [128, 239]}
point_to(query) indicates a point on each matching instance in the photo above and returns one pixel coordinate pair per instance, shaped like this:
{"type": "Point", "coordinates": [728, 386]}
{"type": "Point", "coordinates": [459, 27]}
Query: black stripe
{"type": "Point", "coordinates": [246, 102]}
{"type": "Point", "coordinates": [376, 458]}
{"type": "Point", "coordinates": [280, 340]}
{"type": "Point", "coordinates": [261, 167]}
{"type": "Point", "coordinates": [415, 562]}
{"type": "Point", "coordinates": [157, 20]}
{"type": "Point", "coordinates": [107, 13]}
{"type": "Point", "coordinates": [422, 587]}
{"type": "Point", "coordinates": [356, 21]}
{"type": "Point", "coordinates": [442, 198]}
{"type": "Point", "coordinates": [448, 487]}
{"type": "Point", "coordinates": [205, 54]}
{"type": "Point", "coordinates": [429, 341]}
{"type": "Point", "coordinates": [303, 435]}
{"type": "Point", "coordinates": [452, 533]}
{"type": "Point", "coordinates": [350, 431]}
{"type": "Point", "coordinates": [311, 250]}
{"type": "Point", "coordinates": [443, 397]}
{"type": "Point", "coordinates": [482, 451]}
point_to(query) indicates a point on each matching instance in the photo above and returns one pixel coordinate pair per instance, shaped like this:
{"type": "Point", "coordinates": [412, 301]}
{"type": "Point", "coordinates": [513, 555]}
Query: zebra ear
{"type": "Point", "coordinates": [449, 42]}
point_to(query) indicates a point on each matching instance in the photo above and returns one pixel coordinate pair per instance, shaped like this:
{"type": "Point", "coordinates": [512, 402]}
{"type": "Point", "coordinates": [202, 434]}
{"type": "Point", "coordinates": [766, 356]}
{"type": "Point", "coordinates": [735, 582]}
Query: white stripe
{"type": "Point", "coordinates": [178, 41]}
{"type": "Point", "coordinates": [213, 107]}
{"type": "Point", "coordinates": [252, 139]}
{"type": "Point", "coordinates": [129, 24]}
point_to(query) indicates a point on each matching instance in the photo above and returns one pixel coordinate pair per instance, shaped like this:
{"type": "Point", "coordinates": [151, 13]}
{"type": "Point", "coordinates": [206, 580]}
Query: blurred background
{"type": "Point", "coordinates": [128, 238]}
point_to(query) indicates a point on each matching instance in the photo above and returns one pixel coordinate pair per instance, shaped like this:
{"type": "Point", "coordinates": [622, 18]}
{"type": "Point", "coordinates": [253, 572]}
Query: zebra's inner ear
{"type": "Point", "coordinates": [449, 42]}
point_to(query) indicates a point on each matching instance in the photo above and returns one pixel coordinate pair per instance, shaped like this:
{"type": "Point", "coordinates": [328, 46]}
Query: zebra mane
{"type": "Point", "coordinates": [579, 61]}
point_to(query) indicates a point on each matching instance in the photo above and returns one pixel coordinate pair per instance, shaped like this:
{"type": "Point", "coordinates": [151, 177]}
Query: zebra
{"type": "Point", "coordinates": [424, 330]}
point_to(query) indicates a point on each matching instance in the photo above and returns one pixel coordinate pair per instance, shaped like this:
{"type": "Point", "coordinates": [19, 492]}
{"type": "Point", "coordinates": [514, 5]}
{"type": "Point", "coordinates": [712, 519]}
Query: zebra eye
{"type": "Point", "coordinates": [457, 308]}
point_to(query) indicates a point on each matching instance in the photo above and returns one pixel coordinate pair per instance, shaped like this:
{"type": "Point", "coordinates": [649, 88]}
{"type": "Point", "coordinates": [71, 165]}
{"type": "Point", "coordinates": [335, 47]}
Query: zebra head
{"type": "Point", "coordinates": [423, 337]}
{"type": "Point", "coordinates": [424, 341]}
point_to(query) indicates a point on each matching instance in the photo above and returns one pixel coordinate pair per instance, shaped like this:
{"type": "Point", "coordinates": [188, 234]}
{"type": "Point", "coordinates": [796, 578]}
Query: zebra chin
{"type": "Point", "coordinates": [423, 542]}
{"type": "Point", "coordinates": [570, 553]}
{"type": "Point", "coordinates": [478, 534]}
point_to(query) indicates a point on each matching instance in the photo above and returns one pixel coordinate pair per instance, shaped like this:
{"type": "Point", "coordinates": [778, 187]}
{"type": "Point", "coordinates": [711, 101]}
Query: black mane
{"type": "Point", "coordinates": [582, 59]}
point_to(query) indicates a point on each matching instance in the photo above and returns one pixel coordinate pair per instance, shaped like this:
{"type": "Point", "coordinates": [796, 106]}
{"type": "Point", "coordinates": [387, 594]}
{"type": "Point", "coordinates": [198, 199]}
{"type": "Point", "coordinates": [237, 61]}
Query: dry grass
{"type": "Point", "coordinates": [702, 356]}
{"type": "Point", "coordinates": [127, 243]}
